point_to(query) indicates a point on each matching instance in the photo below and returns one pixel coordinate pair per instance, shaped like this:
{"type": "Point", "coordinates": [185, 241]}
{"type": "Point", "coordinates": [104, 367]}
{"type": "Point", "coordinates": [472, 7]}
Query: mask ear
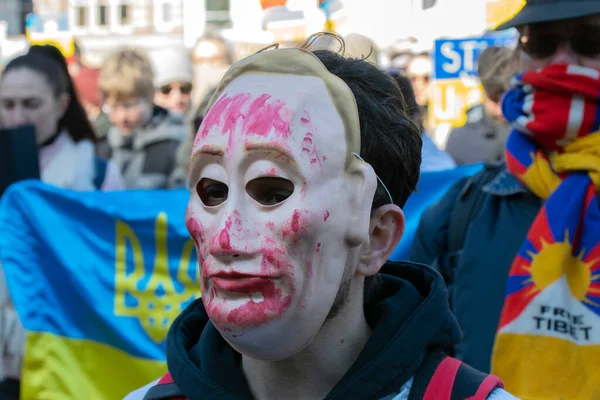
{"type": "Point", "coordinates": [385, 232]}
{"type": "Point", "coordinates": [362, 185]}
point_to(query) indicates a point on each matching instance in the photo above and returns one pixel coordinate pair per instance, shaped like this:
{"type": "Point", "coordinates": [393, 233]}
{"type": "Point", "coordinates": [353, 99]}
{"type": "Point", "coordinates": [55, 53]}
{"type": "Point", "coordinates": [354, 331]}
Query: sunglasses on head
{"type": "Point", "coordinates": [185, 88]}
{"type": "Point", "coordinates": [543, 44]}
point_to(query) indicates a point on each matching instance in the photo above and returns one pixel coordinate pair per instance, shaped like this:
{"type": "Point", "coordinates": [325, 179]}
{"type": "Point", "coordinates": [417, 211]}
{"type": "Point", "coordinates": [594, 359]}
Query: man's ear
{"type": "Point", "coordinates": [362, 184]}
{"type": "Point", "coordinates": [386, 230]}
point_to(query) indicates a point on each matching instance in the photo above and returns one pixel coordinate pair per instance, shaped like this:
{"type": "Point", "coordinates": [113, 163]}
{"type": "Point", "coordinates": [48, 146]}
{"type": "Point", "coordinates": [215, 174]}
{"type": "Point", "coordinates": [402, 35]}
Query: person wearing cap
{"type": "Point", "coordinates": [519, 243]}
{"type": "Point", "coordinates": [173, 77]}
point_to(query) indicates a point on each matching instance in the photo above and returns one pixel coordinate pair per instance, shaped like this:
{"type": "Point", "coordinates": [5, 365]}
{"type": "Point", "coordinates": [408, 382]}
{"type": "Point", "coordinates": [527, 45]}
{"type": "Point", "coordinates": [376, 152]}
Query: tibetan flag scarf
{"type": "Point", "coordinates": [548, 341]}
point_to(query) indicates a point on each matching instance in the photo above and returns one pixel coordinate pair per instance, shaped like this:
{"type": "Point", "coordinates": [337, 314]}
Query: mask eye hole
{"type": "Point", "coordinates": [211, 192]}
{"type": "Point", "coordinates": [269, 191]}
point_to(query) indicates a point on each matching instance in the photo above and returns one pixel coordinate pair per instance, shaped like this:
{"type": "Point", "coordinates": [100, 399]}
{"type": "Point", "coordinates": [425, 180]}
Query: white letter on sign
{"type": "Point", "coordinates": [448, 51]}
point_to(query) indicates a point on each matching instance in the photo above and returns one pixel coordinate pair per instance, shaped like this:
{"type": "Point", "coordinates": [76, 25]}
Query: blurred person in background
{"type": "Point", "coordinates": [432, 158]}
{"type": "Point", "coordinates": [211, 57]}
{"type": "Point", "coordinates": [173, 78]}
{"type": "Point", "coordinates": [419, 70]}
{"type": "Point", "coordinates": [144, 137]}
{"type": "Point", "coordinates": [35, 89]}
{"type": "Point", "coordinates": [85, 79]}
{"type": "Point", "coordinates": [519, 243]}
{"type": "Point", "coordinates": [483, 137]}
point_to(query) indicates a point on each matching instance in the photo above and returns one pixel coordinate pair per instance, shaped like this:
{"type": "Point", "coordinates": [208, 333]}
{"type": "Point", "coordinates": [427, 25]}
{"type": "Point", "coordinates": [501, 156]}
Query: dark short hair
{"type": "Point", "coordinates": [408, 92]}
{"type": "Point", "coordinates": [390, 141]}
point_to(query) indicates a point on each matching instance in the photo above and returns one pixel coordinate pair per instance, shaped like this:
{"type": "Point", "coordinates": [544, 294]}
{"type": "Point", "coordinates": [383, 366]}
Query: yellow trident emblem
{"type": "Point", "coordinates": [155, 298]}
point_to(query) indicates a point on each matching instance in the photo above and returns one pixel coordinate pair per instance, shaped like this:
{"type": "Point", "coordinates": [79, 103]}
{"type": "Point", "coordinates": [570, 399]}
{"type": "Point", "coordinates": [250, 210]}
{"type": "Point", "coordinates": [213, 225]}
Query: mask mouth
{"type": "Point", "coordinates": [242, 283]}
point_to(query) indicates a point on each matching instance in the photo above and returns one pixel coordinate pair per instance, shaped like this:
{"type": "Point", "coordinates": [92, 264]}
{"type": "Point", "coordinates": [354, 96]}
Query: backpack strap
{"type": "Point", "coordinates": [465, 210]}
{"type": "Point", "coordinates": [466, 207]}
{"type": "Point", "coordinates": [100, 166]}
{"type": "Point", "coordinates": [165, 389]}
{"type": "Point", "coordinates": [445, 378]}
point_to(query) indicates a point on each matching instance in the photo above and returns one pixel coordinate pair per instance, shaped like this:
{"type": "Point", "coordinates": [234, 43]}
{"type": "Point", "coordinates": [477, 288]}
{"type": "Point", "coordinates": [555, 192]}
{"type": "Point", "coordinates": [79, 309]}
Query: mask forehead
{"type": "Point", "coordinates": [300, 62]}
{"type": "Point", "coordinates": [286, 113]}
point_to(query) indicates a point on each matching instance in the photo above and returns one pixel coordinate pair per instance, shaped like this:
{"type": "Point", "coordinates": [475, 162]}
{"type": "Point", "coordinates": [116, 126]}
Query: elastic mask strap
{"type": "Point", "coordinates": [380, 181]}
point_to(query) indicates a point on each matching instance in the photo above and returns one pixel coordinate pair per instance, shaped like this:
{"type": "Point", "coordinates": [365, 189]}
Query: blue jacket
{"type": "Point", "coordinates": [475, 260]}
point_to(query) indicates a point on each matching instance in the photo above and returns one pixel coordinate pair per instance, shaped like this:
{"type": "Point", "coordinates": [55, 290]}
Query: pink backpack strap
{"type": "Point", "coordinates": [165, 379]}
{"type": "Point", "coordinates": [442, 382]}
{"type": "Point", "coordinates": [165, 389]}
{"type": "Point", "coordinates": [487, 387]}
{"type": "Point", "coordinates": [453, 380]}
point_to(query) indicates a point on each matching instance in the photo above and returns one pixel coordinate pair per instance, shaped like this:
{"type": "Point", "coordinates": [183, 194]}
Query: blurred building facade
{"type": "Point", "coordinates": [102, 25]}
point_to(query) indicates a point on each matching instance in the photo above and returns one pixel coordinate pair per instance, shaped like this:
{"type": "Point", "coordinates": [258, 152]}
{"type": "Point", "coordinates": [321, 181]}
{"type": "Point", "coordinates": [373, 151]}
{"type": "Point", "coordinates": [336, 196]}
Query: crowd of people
{"type": "Point", "coordinates": [300, 300]}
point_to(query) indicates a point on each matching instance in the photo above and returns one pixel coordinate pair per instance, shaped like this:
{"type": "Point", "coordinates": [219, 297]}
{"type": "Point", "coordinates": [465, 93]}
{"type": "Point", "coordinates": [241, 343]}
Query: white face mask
{"type": "Point", "coordinates": [271, 211]}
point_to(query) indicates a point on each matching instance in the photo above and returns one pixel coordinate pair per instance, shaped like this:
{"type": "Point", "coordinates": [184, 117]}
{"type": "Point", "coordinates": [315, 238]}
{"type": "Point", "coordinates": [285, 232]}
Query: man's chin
{"type": "Point", "coordinates": [273, 341]}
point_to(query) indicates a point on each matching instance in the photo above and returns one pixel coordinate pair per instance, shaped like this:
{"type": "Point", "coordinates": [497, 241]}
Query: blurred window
{"type": "Point", "coordinates": [217, 12]}
{"type": "Point", "coordinates": [427, 4]}
{"type": "Point", "coordinates": [81, 16]}
{"type": "Point", "coordinates": [103, 15]}
{"type": "Point", "coordinates": [167, 12]}
{"type": "Point", "coordinates": [125, 14]}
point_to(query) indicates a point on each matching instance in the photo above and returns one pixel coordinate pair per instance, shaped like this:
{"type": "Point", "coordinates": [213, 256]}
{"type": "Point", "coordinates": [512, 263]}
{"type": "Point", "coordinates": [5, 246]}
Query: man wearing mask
{"type": "Point", "coordinates": [519, 244]}
{"type": "Point", "coordinates": [294, 212]}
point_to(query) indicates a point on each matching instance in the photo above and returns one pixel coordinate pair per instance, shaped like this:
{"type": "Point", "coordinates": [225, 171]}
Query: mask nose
{"type": "Point", "coordinates": [232, 240]}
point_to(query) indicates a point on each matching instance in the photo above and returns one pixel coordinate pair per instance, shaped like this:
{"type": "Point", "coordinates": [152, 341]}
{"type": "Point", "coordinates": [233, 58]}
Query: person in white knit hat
{"type": "Point", "coordinates": [173, 77]}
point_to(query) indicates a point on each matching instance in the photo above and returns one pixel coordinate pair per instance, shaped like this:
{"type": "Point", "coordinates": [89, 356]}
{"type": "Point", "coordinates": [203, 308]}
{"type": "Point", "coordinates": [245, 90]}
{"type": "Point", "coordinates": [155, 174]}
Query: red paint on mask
{"type": "Point", "coordinates": [272, 172]}
{"type": "Point", "coordinates": [295, 221]}
{"type": "Point", "coordinates": [264, 117]}
{"type": "Point", "coordinates": [224, 236]}
{"type": "Point", "coordinates": [326, 215]}
{"type": "Point", "coordinates": [294, 228]}
{"type": "Point", "coordinates": [224, 113]}
{"type": "Point", "coordinates": [318, 248]}
{"type": "Point", "coordinates": [309, 268]}
{"type": "Point", "coordinates": [195, 230]}
{"type": "Point", "coordinates": [309, 147]}
{"type": "Point", "coordinates": [258, 117]}
{"type": "Point", "coordinates": [274, 303]}
{"type": "Point", "coordinates": [252, 314]}
{"type": "Point", "coordinates": [237, 221]}
{"type": "Point", "coordinates": [274, 260]}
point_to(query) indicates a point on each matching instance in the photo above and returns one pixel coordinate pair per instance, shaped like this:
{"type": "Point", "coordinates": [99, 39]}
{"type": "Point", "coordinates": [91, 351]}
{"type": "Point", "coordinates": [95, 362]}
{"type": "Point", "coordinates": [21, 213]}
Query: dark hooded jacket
{"type": "Point", "coordinates": [409, 316]}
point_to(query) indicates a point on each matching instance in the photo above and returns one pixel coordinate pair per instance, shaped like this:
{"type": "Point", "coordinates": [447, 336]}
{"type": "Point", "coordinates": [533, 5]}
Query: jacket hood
{"type": "Point", "coordinates": [408, 313]}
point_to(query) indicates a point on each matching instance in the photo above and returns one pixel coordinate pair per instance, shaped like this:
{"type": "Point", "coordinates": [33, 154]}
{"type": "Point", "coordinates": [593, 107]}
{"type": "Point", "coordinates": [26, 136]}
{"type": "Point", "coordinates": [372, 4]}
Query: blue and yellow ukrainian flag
{"type": "Point", "coordinates": [97, 279]}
